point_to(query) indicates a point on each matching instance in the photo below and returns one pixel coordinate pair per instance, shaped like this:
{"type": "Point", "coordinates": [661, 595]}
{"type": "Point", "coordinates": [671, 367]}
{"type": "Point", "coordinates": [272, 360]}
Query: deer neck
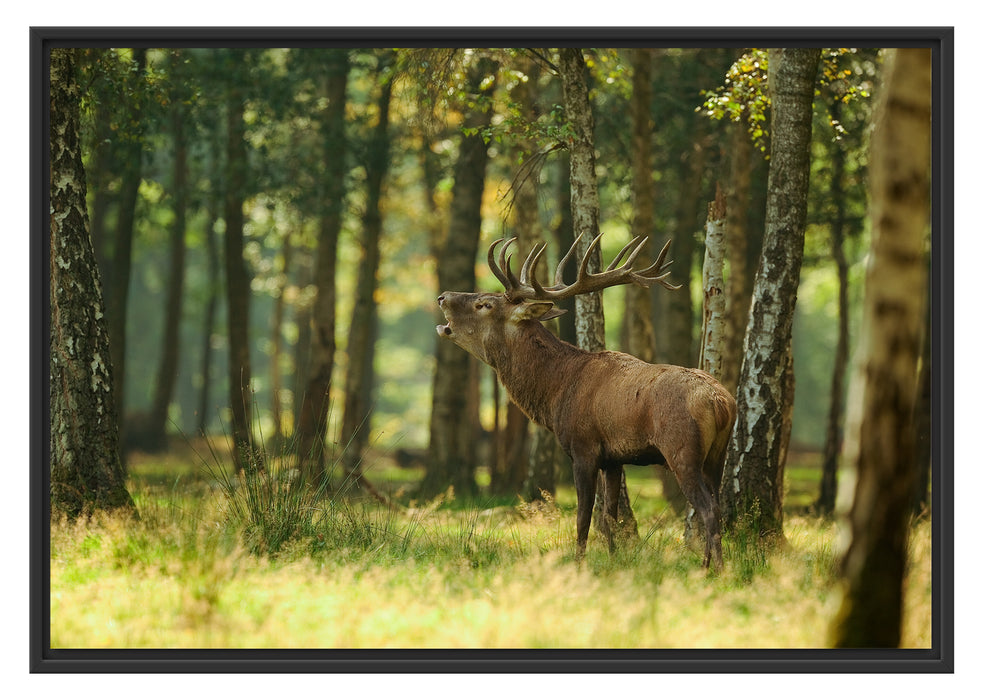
{"type": "Point", "coordinates": [536, 367]}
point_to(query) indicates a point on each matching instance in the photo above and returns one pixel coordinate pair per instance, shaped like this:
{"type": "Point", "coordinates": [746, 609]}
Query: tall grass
{"type": "Point", "coordinates": [226, 560]}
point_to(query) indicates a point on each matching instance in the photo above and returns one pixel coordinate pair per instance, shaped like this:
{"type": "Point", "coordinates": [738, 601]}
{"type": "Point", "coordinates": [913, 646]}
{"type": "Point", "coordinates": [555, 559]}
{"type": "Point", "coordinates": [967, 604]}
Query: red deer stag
{"type": "Point", "coordinates": [607, 409]}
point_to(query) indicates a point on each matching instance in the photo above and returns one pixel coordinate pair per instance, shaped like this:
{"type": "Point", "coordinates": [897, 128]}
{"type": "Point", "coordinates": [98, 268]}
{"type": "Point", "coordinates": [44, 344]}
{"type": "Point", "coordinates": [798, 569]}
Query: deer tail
{"type": "Point", "coordinates": [724, 410]}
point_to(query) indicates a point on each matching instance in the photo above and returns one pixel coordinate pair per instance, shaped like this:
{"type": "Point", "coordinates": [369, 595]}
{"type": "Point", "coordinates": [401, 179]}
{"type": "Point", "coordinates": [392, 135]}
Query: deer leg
{"type": "Point", "coordinates": [585, 483]}
{"type": "Point", "coordinates": [612, 490]}
{"type": "Point", "coordinates": [698, 492]}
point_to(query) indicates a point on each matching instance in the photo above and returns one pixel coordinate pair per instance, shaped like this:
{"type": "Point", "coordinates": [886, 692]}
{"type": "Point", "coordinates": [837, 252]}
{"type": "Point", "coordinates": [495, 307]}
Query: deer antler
{"type": "Point", "coordinates": [528, 287]}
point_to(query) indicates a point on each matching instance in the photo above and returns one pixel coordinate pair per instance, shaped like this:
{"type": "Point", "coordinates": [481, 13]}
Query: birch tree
{"type": "Point", "coordinates": [86, 472]}
{"type": "Point", "coordinates": [713, 340]}
{"type": "Point", "coordinates": [880, 445]}
{"type": "Point", "coordinates": [585, 209]}
{"type": "Point", "coordinates": [754, 469]}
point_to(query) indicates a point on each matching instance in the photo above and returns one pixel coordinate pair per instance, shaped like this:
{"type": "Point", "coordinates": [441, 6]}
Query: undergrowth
{"type": "Point", "coordinates": [256, 559]}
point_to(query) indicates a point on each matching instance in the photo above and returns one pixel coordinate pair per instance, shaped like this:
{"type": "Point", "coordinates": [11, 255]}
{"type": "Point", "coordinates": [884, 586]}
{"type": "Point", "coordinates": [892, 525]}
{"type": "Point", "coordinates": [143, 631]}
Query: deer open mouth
{"type": "Point", "coordinates": [445, 328]}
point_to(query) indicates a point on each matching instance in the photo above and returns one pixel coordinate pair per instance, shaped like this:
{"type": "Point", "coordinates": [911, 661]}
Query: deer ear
{"type": "Point", "coordinates": [538, 311]}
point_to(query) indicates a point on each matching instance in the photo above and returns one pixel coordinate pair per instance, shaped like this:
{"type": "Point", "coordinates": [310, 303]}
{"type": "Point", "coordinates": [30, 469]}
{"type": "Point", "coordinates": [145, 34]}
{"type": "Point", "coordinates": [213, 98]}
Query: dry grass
{"type": "Point", "coordinates": [439, 578]}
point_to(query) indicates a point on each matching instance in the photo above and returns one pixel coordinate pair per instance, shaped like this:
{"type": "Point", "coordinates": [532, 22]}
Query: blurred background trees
{"type": "Point", "coordinates": [272, 227]}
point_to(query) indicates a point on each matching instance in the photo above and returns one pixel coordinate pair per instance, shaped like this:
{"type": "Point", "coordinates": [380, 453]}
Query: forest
{"type": "Point", "coordinates": [270, 230]}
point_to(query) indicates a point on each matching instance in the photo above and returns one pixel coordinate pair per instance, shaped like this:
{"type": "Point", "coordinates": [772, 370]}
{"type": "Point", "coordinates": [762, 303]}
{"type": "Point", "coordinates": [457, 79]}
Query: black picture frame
{"type": "Point", "coordinates": [938, 659]}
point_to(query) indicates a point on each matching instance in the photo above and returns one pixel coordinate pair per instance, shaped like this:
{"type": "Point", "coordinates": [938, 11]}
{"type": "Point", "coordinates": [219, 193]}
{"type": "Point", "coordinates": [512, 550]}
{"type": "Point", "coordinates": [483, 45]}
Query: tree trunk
{"type": "Point", "coordinates": [544, 449]}
{"type": "Point", "coordinates": [170, 346]}
{"type": "Point", "coordinates": [101, 171]}
{"type": "Point", "coordinates": [276, 330]}
{"type": "Point", "coordinates": [564, 237]}
{"type": "Point", "coordinates": [880, 439]}
{"type": "Point", "coordinates": [752, 489]}
{"type": "Point", "coordinates": [826, 502]}
{"type": "Point", "coordinates": [738, 300]}
{"type": "Point", "coordinates": [313, 420]}
{"type": "Point", "coordinates": [585, 202]}
{"type": "Point", "coordinates": [674, 312]}
{"type": "Point", "coordinates": [237, 284]}
{"type": "Point", "coordinates": [302, 348]}
{"type": "Point", "coordinates": [356, 421]}
{"type": "Point", "coordinates": [511, 469]}
{"type": "Point", "coordinates": [713, 339]}
{"type": "Point", "coordinates": [639, 331]}
{"type": "Point", "coordinates": [451, 455]}
{"type": "Point", "coordinates": [119, 281]}
{"type": "Point", "coordinates": [922, 495]}
{"type": "Point", "coordinates": [214, 284]}
{"type": "Point", "coordinates": [677, 347]}
{"type": "Point", "coordinates": [86, 472]}
{"type": "Point", "coordinates": [585, 208]}
{"type": "Point", "coordinates": [541, 477]}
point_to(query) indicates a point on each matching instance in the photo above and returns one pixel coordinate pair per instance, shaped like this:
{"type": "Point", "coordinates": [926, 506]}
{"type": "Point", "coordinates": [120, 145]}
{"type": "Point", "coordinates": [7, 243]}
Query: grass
{"type": "Point", "coordinates": [204, 569]}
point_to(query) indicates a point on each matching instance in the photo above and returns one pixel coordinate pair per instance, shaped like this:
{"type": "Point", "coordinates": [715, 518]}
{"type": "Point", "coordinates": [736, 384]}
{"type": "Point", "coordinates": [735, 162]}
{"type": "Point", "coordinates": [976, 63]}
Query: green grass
{"type": "Point", "coordinates": [212, 564]}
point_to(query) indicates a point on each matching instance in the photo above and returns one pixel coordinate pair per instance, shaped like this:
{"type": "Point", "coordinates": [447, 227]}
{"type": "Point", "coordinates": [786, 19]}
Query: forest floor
{"type": "Point", "coordinates": [212, 565]}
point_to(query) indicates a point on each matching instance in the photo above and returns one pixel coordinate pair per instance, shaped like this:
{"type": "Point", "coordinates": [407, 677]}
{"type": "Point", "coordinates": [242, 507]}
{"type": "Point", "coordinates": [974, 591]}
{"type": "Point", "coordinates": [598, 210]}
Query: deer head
{"type": "Point", "coordinates": [478, 322]}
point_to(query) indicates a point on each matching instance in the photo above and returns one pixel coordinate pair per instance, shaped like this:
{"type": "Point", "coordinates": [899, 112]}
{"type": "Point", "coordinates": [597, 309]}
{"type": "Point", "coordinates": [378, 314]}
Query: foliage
{"type": "Point", "coordinates": [845, 76]}
{"type": "Point", "coordinates": [744, 94]}
{"type": "Point", "coordinates": [285, 188]}
{"type": "Point", "coordinates": [114, 86]}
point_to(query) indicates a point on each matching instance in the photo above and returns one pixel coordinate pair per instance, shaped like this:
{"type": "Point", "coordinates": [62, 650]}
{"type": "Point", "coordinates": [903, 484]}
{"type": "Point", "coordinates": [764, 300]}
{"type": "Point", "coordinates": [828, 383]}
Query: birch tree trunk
{"type": "Point", "coordinates": [86, 472]}
{"type": "Point", "coordinates": [752, 488]}
{"type": "Point", "coordinates": [585, 208]}
{"type": "Point", "coordinates": [880, 439]}
{"type": "Point", "coordinates": [713, 340]}
{"type": "Point", "coordinates": [585, 202]}
{"type": "Point", "coordinates": [922, 495]}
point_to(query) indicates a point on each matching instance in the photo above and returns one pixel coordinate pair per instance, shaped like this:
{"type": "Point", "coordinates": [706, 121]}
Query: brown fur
{"type": "Point", "coordinates": [607, 409]}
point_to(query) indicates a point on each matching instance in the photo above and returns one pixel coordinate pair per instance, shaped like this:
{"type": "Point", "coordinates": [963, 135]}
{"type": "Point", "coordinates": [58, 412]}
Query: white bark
{"type": "Point", "coordinates": [879, 446]}
{"type": "Point", "coordinates": [714, 338]}
{"type": "Point", "coordinates": [754, 470]}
